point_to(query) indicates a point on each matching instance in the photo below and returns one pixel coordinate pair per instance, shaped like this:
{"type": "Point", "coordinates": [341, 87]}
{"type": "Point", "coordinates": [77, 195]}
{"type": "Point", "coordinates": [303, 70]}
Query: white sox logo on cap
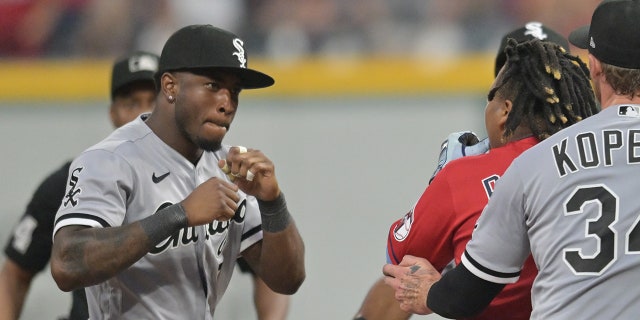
{"type": "Point", "coordinates": [535, 30]}
{"type": "Point", "coordinates": [240, 53]}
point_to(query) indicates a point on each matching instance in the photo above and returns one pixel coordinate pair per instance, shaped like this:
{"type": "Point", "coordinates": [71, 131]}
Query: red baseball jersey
{"type": "Point", "coordinates": [440, 224]}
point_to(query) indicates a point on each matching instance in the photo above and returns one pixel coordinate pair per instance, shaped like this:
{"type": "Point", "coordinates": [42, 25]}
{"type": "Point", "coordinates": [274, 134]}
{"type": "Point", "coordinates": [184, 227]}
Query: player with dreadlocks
{"type": "Point", "coordinates": [541, 90]}
{"type": "Point", "coordinates": [546, 84]}
{"type": "Point", "coordinates": [570, 202]}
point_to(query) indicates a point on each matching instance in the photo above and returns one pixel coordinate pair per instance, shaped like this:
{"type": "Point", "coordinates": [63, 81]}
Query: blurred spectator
{"type": "Point", "coordinates": [109, 28]}
{"type": "Point", "coordinates": [287, 29]}
{"type": "Point", "coordinates": [282, 29]}
{"type": "Point", "coordinates": [566, 15]}
{"type": "Point", "coordinates": [32, 28]}
{"type": "Point", "coordinates": [171, 15]}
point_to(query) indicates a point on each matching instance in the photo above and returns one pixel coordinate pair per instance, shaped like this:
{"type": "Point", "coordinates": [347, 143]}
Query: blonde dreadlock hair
{"type": "Point", "coordinates": [550, 88]}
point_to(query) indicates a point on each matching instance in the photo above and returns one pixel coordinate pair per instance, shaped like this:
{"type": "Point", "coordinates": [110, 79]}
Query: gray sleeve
{"type": "Point", "coordinates": [499, 244]}
{"type": "Point", "coordinates": [97, 189]}
{"type": "Point", "coordinates": [252, 230]}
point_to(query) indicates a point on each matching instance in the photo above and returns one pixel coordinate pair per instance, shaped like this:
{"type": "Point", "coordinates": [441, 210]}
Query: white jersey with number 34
{"type": "Point", "coordinates": [574, 202]}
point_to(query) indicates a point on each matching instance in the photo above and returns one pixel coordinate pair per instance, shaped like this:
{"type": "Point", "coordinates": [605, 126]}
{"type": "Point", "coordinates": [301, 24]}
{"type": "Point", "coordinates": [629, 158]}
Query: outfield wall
{"type": "Point", "coordinates": [69, 80]}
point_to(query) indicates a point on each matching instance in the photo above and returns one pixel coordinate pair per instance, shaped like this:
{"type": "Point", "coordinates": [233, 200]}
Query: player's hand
{"type": "Point", "coordinates": [214, 199]}
{"type": "Point", "coordinates": [411, 280]}
{"type": "Point", "coordinates": [458, 145]}
{"type": "Point", "coordinates": [252, 172]}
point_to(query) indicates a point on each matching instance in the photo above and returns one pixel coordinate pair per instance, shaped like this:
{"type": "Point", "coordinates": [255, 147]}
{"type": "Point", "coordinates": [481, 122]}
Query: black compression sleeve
{"type": "Point", "coordinates": [164, 223]}
{"type": "Point", "coordinates": [461, 294]}
{"type": "Point", "coordinates": [275, 215]}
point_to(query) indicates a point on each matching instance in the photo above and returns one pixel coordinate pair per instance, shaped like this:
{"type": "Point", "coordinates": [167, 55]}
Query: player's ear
{"type": "Point", "coordinates": [505, 109]}
{"type": "Point", "coordinates": [168, 83]}
{"type": "Point", "coordinates": [507, 106]}
{"type": "Point", "coordinates": [595, 71]}
{"type": "Point", "coordinates": [595, 67]}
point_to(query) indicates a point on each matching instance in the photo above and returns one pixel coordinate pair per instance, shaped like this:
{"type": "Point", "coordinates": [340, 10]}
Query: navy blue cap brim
{"type": "Point", "coordinates": [580, 37]}
{"type": "Point", "coordinates": [251, 79]}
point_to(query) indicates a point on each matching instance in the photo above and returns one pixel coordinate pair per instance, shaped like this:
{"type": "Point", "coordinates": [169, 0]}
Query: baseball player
{"type": "Point", "coordinates": [441, 222]}
{"type": "Point", "coordinates": [29, 248]}
{"type": "Point", "coordinates": [571, 201]}
{"type": "Point", "coordinates": [155, 215]}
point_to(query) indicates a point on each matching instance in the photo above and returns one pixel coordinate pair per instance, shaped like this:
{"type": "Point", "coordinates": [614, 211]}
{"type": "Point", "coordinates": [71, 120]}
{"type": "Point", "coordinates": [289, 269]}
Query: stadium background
{"type": "Point", "coordinates": [354, 131]}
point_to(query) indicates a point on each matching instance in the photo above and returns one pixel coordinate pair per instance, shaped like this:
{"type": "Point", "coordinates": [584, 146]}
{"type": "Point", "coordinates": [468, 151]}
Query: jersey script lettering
{"type": "Point", "coordinates": [188, 235]}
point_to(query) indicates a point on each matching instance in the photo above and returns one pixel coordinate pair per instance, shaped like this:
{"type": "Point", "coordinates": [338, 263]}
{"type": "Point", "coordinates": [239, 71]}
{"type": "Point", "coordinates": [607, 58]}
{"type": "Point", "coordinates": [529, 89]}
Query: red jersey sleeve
{"type": "Point", "coordinates": [425, 231]}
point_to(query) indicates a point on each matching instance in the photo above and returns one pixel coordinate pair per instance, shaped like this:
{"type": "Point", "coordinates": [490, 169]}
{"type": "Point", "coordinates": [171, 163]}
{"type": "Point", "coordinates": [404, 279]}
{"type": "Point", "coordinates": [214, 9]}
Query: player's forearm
{"type": "Point", "coordinates": [87, 256]}
{"type": "Point", "coordinates": [380, 304]}
{"type": "Point", "coordinates": [14, 285]}
{"type": "Point", "coordinates": [282, 261]}
{"type": "Point", "coordinates": [282, 255]}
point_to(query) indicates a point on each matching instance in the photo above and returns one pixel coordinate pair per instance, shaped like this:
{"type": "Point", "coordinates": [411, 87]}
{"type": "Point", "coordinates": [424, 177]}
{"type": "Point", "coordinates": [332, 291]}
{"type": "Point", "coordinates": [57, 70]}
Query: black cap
{"type": "Point", "coordinates": [140, 66]}
{"type": "Point", "coordinates": [531, 30]}
{"type": "Point", "coordinates": [614, 34]}
{"type": "Point", "coordinates": [208, 47]}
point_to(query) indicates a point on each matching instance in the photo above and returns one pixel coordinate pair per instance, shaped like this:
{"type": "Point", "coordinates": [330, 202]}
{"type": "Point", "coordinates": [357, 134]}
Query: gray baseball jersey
{"type": "Point", "coordinates": [572, 201]}
{"type": "Point", "coordinates": [131, 175]}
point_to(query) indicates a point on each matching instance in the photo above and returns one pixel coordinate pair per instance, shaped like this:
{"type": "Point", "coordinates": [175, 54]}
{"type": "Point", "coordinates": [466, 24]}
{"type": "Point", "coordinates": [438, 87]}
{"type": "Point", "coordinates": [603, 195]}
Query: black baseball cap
{"type": "Point", "coordinates": [614, 34]}
{"type": "Point", "coordinates": [140, 66]}
{"type": "Point", "coordinates": [531, 30]}
{"type": "Point", "coordinates": [208, 47]}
